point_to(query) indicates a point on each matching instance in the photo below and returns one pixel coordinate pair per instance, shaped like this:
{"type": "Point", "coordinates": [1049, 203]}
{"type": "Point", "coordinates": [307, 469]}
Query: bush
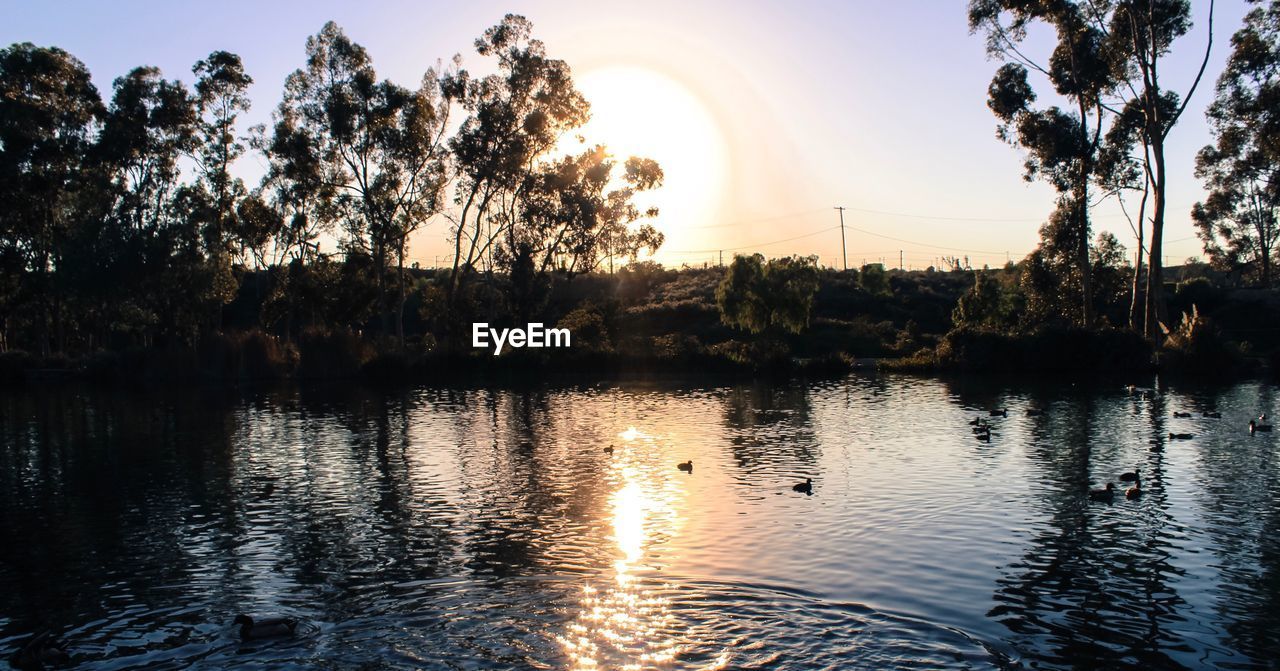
{"type": "Point", "coordinates": [332, 353]}
{"type": "Point", "coordinates": [251, 355]}
{"type": "Point", "coordinates": [1197, 345]}
{"type": "Point", "coordinates": [1059, 349]}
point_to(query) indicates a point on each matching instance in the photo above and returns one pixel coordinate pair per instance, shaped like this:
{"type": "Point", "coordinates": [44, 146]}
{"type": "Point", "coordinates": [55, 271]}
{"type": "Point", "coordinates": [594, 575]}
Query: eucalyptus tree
{"type": "Point", "coordinates": [575, 214]}
{"type": "Point", "coordinates": [1061, 145]}
{"type": "Point", "coordinates": [1138, 35]}
{"type": "Point", "coordinates": [150, 245]}
{"type": "Point", "coordinates": [49, 114]}
{"type": "Point", "coordinates": [380, 148]}
{"type": "Point", "coordinates": [221, 94]}
{"type": "Point", "coordinates": [1241, 170]}
{"type": "Point", "coordinates": [295, 202]}
{"type": "Point", "coordinates": [515, 118]}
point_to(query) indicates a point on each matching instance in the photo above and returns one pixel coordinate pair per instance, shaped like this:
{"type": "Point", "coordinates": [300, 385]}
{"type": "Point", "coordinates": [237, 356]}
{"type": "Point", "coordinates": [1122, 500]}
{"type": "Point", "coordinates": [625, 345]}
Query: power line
{"type": "Point", "coordinates": [761, 244]}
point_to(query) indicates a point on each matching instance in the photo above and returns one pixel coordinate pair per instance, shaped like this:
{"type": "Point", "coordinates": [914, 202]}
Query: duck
{"type": "Point", "coordinates": [998, 413]}
{"type": "Point", "coordinates": [1131, 476]}
{"type": "Point", "coordinates": [1181, 415]}
{"type": "Point", "coordinates": [982, 429]}
{"type": "Point", "coordinates": [1255, 427]}
{"type": "Point", "coordinates": [977, 421]}
{"type": "Point", "coordinates": [805, 487]}
{"type": "Point", "coordinates": [1133, 492]}
{"type": "Point", "coordinates": [1105, 494]}
{"type": "Point", "coordinates": [43, 649]}
{"type": "Point", "coordinates": [267, 627]}
{"type": "Point", "coordinates": [687, 466]}
{"type": "Point", "coordinates": [1212, 415]}
{"type": "Point", "coordinates": [984, 437]}
{"type": "Point", "coordinates": [1181, 436]}
{"type": "Point", "coordinates": [608, 450]}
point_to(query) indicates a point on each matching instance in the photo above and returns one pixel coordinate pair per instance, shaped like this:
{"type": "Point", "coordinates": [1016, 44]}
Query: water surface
{"type": "Point", "coordinates": [489, 529]}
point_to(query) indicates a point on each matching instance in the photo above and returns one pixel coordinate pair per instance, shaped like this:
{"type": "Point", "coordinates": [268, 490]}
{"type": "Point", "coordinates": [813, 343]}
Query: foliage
{"type": "Point", "coordinates": [775, 296]}
{"type": "Point", "coordinates": [1241, 170]}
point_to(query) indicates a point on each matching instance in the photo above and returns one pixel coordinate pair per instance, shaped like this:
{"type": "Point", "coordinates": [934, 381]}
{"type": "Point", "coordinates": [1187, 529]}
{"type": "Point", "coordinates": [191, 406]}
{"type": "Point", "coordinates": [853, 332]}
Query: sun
{"type": "Point", "coordinates": [640, 112]}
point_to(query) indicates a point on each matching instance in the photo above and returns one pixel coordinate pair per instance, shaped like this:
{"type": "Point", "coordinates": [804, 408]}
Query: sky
{"type": "Point", "coordinates": [764, 115]}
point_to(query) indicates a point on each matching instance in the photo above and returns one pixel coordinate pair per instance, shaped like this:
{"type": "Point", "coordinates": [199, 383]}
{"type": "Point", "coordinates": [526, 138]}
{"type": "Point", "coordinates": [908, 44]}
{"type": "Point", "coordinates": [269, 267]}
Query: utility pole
{"type": "Point", "coordinates": [844, 254]}
{"type": "Point", "coordinates": [900, 266]}
{"type": "Point", "coordinates": [722, 258]}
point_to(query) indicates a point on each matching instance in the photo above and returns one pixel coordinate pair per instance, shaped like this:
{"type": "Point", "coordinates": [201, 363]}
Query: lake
{"type": "Point", "coordinates": [490, 529]}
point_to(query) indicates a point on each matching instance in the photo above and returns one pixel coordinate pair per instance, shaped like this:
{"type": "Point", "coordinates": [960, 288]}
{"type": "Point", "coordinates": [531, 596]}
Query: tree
{"type": "Point", "coordinates": [149, 246]}
{"type": "Point", "coordinates": [1241, 170]}
{"type": "Point", "coordinates": [380, 146]}
{"type": "Point", "coordinates": [1062, 146]}
{"type": "Point", "coordinates": [570, 216]}
{"type": "Point", "coordinates": [516, 117]}
{"type": "Point", "coordinates": [1139, 34]}
{"type": "Point", "coordinates": [221, 95]}
{"type": "Point", "coordinates": [768, 297]}
{"type": "Point", "coordinates": [981, 304]}
{"type": "Point", "coordinates": [49, 111]}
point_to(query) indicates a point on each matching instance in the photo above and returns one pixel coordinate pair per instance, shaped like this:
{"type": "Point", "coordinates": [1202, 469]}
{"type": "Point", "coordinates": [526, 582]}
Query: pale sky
{"type": "Point", "coordinates": [765, 115]}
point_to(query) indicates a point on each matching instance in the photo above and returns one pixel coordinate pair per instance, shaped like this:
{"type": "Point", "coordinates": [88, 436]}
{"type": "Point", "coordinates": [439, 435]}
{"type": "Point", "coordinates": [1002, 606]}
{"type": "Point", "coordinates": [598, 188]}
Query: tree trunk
{"type": "Point", "coordinates": [1155, 309]}
{"type": "Point", "coordinates": [401, 296]}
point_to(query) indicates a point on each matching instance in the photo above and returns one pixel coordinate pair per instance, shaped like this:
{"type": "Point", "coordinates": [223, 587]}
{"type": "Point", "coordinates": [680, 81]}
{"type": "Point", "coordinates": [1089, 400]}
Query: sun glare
{"type": "Point", "coordinates": [639, 112]}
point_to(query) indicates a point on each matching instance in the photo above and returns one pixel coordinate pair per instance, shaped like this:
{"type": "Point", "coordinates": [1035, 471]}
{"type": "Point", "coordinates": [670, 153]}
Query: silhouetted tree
{"type": "Point", "coordinates": [380, 145]}
{"type": "Point", "coordinates": [1241, 170]}
{"type": "Point", "coordinates": [516, 116]}
{"type": "Point", "coordinates": [49, 112]}
{"type": "Point", "coordinates": [1062, 146]}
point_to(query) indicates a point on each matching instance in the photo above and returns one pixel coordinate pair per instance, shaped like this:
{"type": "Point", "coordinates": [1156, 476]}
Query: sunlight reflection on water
{"type": "Point", "coordinates": [629, 625]}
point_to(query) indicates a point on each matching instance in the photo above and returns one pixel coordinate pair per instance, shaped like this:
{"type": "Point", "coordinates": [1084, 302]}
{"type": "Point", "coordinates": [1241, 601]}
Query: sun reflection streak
{"type": "Point", "coordinates": [629, 626]}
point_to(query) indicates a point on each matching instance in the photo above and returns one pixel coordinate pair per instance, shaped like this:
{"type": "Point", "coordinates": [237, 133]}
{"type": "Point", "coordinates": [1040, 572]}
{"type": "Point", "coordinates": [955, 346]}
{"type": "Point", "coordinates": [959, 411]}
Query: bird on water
{"type": "Point", "coordinates": [805, 487]}
{"type": "Point", "coordinates": [687, 466]}
{"type": "Point", "coordinates": [1105, 494]}
{"type": "Point", "coordinates": [267, 627]}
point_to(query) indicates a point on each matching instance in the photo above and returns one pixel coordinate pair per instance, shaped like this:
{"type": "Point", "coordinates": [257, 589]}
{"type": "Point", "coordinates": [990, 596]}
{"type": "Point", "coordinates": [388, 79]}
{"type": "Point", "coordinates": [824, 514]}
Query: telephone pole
{"type": "Point", "coordinates": [843, 253]}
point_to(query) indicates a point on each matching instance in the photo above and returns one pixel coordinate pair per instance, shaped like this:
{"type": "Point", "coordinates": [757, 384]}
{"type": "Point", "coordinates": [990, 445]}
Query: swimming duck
{"type": "Point", "coordinates": [1181, 436]}
{"type": "Point", "coordinates": [608, 450]}
{"type": "Point", "coordinates": [1131, 476]}
{"type": "Point", "coordinates": [687, 466]}
{"type": "Point", "coordinates": [267, 627]}
{"type": "Point", "coordinates": [1255, 427]}
{"type": "Point", "coordinates": [1133, 492]}
{"type": "Point", "coordinates": [805, 487]}
{"type": "Point", "coordinates": [984, 437]}
{"type": "Point", "coordinates": [982, 429]}
{"type": "Point", "coordinates": [998, 413]}
{"type": "Point", "coordinates": [978, 421]}
{"type": "Point", "coordinates": [1105, 494]}
{"type": "Point", "coordinates": [1212, 415]}
{"type": "Point", "coordinates": [43, 649]}
{"type": "Point", "coordinates": [1181, 415]}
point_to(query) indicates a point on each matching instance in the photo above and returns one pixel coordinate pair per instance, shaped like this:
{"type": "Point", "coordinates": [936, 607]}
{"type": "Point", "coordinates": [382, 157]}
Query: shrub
{"type": "Point", "coordinates": [332, 353]}
{"type": "Point", "coordinates": [1197, 345]}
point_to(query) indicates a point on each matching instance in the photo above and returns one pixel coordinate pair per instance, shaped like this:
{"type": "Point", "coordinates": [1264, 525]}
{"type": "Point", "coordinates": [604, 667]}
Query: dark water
{"type": "Point", "coordinates": [477, 529]}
